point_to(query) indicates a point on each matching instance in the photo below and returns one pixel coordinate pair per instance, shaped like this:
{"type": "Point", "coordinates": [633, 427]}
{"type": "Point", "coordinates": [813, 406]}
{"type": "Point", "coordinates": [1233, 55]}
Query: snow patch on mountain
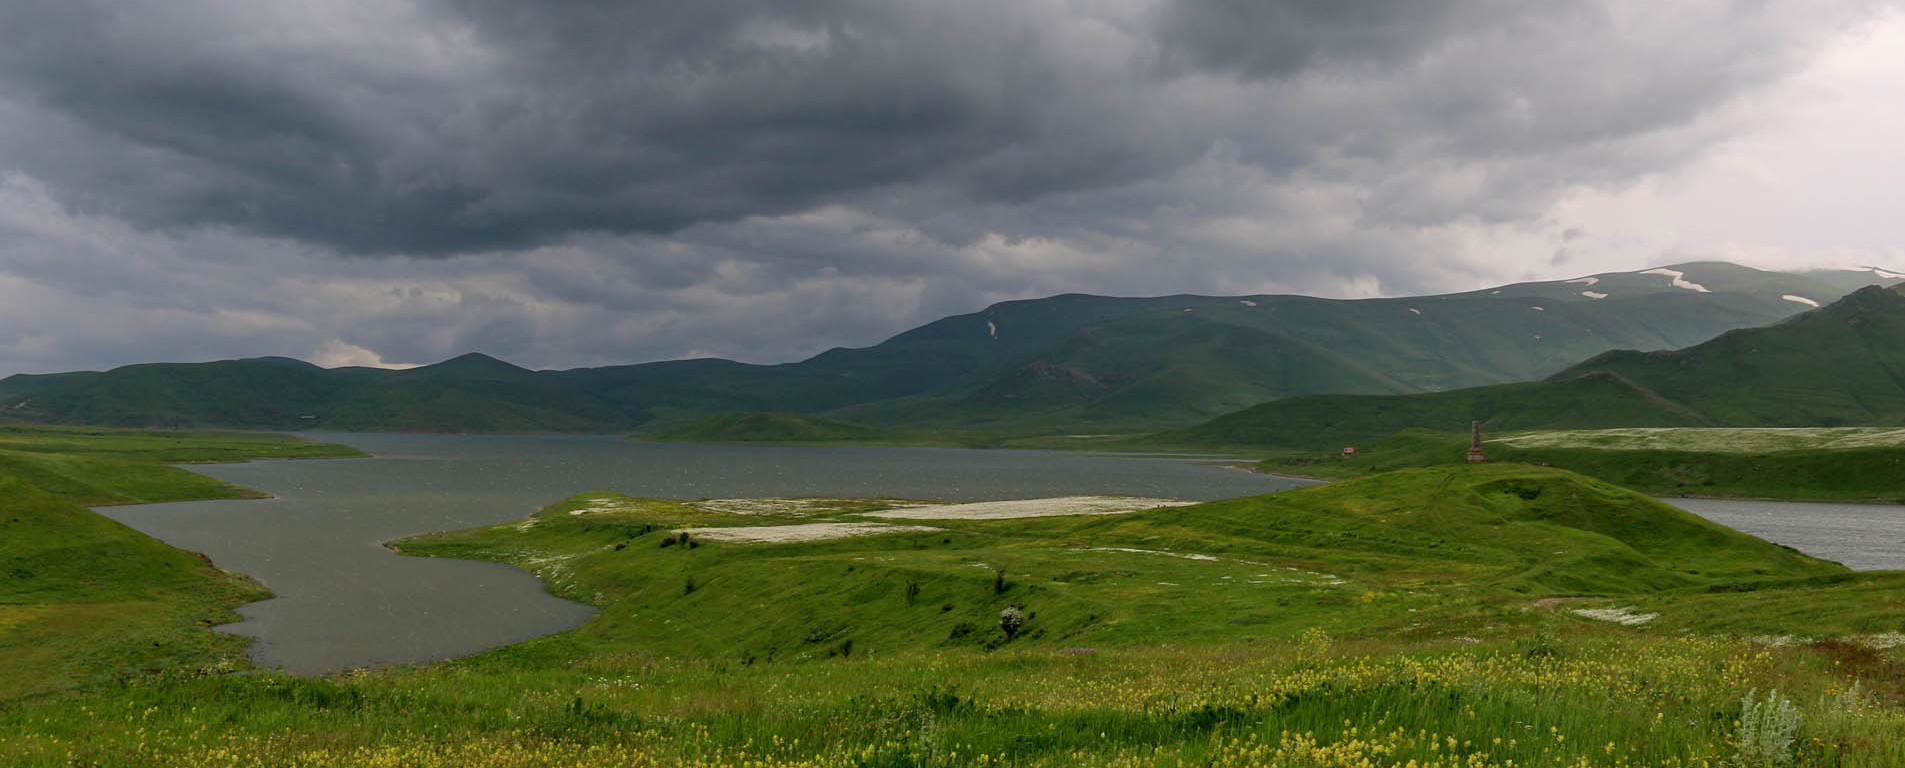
{"type": "Point", "coordinates": [1679, 279]}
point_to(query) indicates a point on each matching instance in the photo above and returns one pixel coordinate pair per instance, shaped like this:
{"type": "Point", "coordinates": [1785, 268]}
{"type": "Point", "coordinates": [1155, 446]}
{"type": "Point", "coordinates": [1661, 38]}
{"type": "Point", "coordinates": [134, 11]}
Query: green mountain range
{"type": "Point", "coordinates": [1040, 366]}
{"type": "Point", "coordinates": [1840, 365]}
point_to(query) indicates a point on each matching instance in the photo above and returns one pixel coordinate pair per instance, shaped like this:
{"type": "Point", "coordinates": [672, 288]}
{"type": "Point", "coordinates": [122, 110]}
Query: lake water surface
{"type": "Point", "coordinates": [1865, 537]}
{"type": "Point", "coordinates": [344, 601]}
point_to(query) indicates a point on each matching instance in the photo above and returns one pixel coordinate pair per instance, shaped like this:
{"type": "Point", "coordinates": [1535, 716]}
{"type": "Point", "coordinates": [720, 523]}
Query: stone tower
{"type": "Point", "coordinates": [1475, 443]}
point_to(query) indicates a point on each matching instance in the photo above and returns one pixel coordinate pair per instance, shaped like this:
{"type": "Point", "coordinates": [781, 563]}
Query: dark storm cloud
{"type": "Point", "coordinates": [484, 125]}
{"type": "Point", "coordinates": [586, 181]}
{"type": "Point", "coordinates": [559, 117]}
{"type": "Point", "coordinates": [1284, 39]}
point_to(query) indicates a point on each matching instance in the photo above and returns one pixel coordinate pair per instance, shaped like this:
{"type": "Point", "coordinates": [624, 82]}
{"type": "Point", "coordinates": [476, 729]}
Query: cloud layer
{"type": "Point", "coordinates": [590, 181]}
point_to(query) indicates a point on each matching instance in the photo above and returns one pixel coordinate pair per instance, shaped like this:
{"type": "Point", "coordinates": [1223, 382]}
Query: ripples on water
{"type": "Point", "coordinates": [1865, 537]}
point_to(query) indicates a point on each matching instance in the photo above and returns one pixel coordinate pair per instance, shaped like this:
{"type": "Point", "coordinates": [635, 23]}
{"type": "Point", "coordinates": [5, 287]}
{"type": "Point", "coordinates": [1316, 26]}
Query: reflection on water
{"type": "Point", "coordinates": [344, 601]}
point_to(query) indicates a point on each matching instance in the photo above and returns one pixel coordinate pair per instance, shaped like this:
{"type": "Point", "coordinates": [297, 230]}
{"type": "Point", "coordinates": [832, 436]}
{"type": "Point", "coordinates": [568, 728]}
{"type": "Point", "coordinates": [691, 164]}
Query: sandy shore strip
{"type": "Point", "coordinates": [1053, 507]}
{"type": "Point", "coordinates": [1623, 616]}
{"type": "Point", "coordinates": [783, 534]}
{"type": "Point", "coordinates": [794, 507]}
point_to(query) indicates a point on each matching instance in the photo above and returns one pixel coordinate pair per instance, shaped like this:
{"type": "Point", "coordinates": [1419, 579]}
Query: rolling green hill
{"type": "Point", "coordinates": [1840, 365]}
{"type": "Point", "coordinates": [1039, 367]}
{"type": "Point", "coordinates": [1843, 464]}
{"type": "Point", "coordinates": [1448, 535]}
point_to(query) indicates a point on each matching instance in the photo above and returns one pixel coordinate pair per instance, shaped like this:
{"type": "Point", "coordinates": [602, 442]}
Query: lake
{"type": "Point", "coordinates": [1865, 537]}
{"type": "Point", "coordinates": [343, 601]}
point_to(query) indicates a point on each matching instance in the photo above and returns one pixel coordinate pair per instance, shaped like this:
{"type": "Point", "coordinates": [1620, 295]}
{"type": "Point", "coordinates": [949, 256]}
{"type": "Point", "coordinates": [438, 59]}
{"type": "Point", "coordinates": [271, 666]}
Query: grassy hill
{"type": "Point", "coordinates": [1481, 533]}
{"type": "Point", "coordinates": [1059, 365]}
{"type": "Point", "coordinates": [1835, 464]}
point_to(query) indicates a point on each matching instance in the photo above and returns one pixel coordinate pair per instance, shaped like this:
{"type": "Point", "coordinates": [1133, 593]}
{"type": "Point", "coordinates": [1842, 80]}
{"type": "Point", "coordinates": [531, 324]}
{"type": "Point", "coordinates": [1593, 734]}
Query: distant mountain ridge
{"type": "Point", "coordinates": [1042, 365]}
{"type": "Point", "coordinates": [1841, 365]}
{"type": "Point", "coordinates": [1167, 369]}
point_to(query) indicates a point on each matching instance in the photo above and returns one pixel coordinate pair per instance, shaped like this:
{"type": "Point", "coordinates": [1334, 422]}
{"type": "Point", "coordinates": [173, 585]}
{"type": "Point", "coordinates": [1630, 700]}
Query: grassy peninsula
{"type": "Point", "coordinates": [85, 601]}
{"type": "Point", "coordinates": [1850, 464]}
{"type": "Point", "coordinates": [1487, 615]}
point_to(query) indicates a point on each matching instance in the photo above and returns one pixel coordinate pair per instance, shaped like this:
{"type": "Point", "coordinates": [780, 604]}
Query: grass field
{"type": "Point", "coordinates": [1492, 615]}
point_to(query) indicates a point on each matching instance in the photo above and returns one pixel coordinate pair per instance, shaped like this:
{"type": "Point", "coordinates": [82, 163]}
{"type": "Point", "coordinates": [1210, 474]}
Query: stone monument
{"type": "Point", "coordinates": [1475, 443]}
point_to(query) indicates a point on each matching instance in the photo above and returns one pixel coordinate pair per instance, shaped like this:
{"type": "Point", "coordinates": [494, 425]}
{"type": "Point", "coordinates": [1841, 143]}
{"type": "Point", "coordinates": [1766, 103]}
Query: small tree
{"type": "Point", "coordinates": [1010, 620]}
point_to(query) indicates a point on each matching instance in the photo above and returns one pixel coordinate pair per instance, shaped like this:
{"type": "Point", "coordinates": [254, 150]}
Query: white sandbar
{"type": "Point", "coordinates": [781, 534]}
{"type": "Point", "coordinates": [1053, 507]}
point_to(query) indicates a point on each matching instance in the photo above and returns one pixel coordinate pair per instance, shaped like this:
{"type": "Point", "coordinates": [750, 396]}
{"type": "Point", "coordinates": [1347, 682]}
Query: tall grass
{"type": "Point", "coordinates": [1627, 702]}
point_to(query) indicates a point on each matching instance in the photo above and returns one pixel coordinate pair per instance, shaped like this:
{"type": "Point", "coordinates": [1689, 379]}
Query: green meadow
{"type": "Point", "coordinates": [1493, 615]}
{"type": "Point", "coordinates": [1846, 464]}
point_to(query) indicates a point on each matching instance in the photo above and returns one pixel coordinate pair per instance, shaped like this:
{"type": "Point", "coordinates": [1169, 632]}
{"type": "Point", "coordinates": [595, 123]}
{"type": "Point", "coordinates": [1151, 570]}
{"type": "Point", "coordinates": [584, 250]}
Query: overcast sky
{"type": "Point", "coordinates": [586, 182]}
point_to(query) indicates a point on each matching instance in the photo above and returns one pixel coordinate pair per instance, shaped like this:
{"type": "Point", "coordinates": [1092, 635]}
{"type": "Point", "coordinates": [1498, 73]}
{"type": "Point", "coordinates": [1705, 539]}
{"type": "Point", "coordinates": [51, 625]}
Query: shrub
{"type": "Point", "coordinates": [1010, 620]}
{"type": "Point", "coordinates": [941, 700]}
{"type": "Point", "coordinates": [1766, 731]}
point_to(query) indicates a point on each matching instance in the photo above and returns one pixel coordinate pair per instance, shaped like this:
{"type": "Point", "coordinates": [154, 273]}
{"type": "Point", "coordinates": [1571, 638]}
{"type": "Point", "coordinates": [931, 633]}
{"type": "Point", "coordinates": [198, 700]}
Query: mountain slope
{"type": "Point", "coordinates": [1175, 368]}
{"type": "Point", "coordinates": [1839, 365]}
{"type": "Point", "coordinates": [469, 393]}
{"type": "Point", "coordinates": [941, 355]}
{"type": "Point", "coordinates": [252, 393]}
{"type": "Point", "coordinates": [1589, 401]}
